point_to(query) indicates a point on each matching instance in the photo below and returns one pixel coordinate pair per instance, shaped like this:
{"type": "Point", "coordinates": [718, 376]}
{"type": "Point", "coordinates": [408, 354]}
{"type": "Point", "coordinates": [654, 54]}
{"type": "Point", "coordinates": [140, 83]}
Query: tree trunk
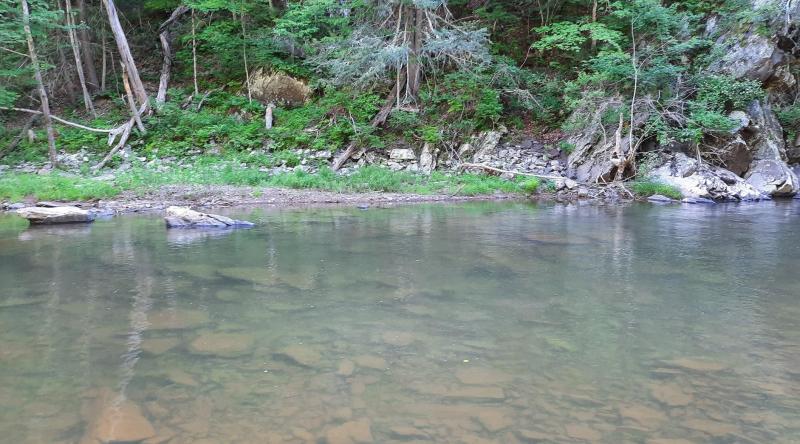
{"type": "Point", "coordinates": [244, 55]}
{"type": "Point", "coordinates": [85, 40]}
{"type": "Point", "coordinates": [76, 52]}
{"type": "Point", "coordinates": [70, 88]}
{"type": "Point", "coordinates": [194, 55]}
{"type": "Point", "coordinates": [125, 52]}
{"type": "Point", "coordinates": [51, 138]}
{"type": "Point", "coordinates": [414, 69]}
{"type": "Point", "coordinates": [131, 102]}
{"type": "Point", "coordinates": [165, 37]}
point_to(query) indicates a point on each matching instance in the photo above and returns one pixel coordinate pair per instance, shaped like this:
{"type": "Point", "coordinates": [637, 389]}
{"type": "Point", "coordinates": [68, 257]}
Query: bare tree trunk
{"type": "Point", "coordinates": [594, 20]}
{"type": "Point", "coordinates": [414, 70]}
{"type": "Point", "coordinates": [76, 52]}
{"type": "Point", "coordinates": [131, 101]}
{"type": "Point", "coordinates": [125, 52]}
{"type": "Point", "coordinates": [105, 62]}
{"type": "Point", "coordinates": [194, 55]}
{"type": "Point", "coordinates": [244, 55]}
{"type": "Point", "coordinates": [70, 88]}
{"type": "Point", "coordinates": [165, 37]}
{"type": "Point", "coordinates": [51, 138]}
{"type": "Point", "coordinates": [85, 40]}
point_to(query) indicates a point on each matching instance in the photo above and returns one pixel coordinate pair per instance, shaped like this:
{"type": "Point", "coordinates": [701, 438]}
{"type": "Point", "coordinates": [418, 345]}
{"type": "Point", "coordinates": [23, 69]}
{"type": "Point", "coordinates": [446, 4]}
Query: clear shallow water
{"type": "Point", "coordinates": [470, 323]}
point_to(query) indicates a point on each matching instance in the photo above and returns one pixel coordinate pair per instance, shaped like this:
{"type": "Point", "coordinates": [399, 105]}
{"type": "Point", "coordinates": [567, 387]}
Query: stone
{"type": "Point", "coordinates": [402, 154]}
{"type": "Point", "coordinates": [398, 338]}
{"type": "Point", "coordinates": [55, 215]}
{"type": "Point", "coordinates": [773, 177]}
{"type": "Point", "coordinates": [697, 200]}
{"type": "Point", "coordinates": [716, 429]}
{"type": "Point", "coordinates": [301, 355]}
{"type": "Point", "coordinates": [670, 394]}
{"type": "Point", "coordinates": [533, 436]}
{"type": "Point", "coordinates": [569, 183]}
{"type": "Point", "coordinates": [703, 181]}
{"type": "Point", "coordinates": [182, 217]}
{"type": "Point", "coordinates": [427, 158]}
{"type": "Point", "coordinates": [668, 441]}
{"type": "Point", "coordinates": [660, 198]}
{"type": "Point", "coordinates": [407, 433]}
{"type": "Point", "coordinates": [351, 432]}
{"type": "Point", "coordinates": [482, 376]}
{"type": "Point", "coordinates": [642, 415]}
{"type": "Point", "coordinates": [159, 346]}
{"type": "Point", "coordinates": [582, 432]}
{"type": "Point", "coordinates": [224, 345]}
{"type": "Point", "coordinates": [477, 393]}
{"type": "Point", "coordinates": [346, 368]}
{"type": "Point", "coordinates": [371, 361]}
{"type": "Point", "coordinates": [494, 420]}
{"type": "Point", "coordinates": [696, 364]}
{"type": "Point", "coordinates": [116, 420]}
{"type": "Point", "coordinates": [181, 377]}
{"type": "Point", "coordinates": [177, 319]}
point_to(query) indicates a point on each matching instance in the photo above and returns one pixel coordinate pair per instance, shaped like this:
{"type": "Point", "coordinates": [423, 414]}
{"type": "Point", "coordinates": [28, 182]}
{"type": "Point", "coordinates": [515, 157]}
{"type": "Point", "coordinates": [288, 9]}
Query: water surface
{"type": "Point", "coordinates": [469, 323]}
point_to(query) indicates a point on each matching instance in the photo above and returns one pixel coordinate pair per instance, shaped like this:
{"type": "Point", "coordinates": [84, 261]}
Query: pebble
{"type": "Point", "coordinates": [671, 394]}
{"type": "Point", "coordinates": [351, 432]}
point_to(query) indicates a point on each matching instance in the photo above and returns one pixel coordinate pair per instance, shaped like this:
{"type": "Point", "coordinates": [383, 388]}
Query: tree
{"type": "Point", "coordinates": [37, 72]}
{"type": "Point", "coordinates": [76, 52]}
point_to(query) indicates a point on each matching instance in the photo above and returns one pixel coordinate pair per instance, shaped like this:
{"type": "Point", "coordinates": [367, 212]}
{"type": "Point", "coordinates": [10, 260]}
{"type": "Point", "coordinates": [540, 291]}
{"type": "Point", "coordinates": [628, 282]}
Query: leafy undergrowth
{"type": "Point", "coordinates": [648, 188]}
{"type": "Point", "coordinates": [54, 186]}
{"type": "Point", "coordinates": [368, 179]}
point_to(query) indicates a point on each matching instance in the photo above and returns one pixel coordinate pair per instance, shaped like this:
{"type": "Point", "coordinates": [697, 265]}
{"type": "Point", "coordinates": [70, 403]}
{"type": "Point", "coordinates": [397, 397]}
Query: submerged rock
{"type": "Point", "coordinates": [670, 394]}
{"type": "Point", "coordinates": [482, 376]}
{"type": "Point", "coordinates": [224, 345]}
{"type": "Point", "coordinates": [177, 319]}
{"type": "Point", "coordinates": [350, 432]}
{"type": "Point", "coordinates": [301, 355]}
{"type": "Point", "coordinates": [696, 364]}
{"type": "Point", "coordinates": [182, 217]}
{"type": "Point", "coordinates": [113, 420]}
{"type": "Point", "coordinates": [55, 215]}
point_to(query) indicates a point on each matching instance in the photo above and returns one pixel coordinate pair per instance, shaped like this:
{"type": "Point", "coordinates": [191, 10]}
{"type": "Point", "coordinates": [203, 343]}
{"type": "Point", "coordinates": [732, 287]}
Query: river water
{"type": "Point", "coordinates": [468, 323]}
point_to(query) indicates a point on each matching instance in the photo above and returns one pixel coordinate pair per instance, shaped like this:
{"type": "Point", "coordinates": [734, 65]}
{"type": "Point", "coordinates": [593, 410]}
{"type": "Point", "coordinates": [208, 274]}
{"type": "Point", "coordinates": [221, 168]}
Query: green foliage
{"type": "Point", "coordinates": [647, 188]}
{"type": "Point", "coordinates": [464, 99]}
{"type": "Point", "coordinates": [572, 37]}
{"type": "Point", "coordinates": [530, 186]}
{"type": "Point", "coordinates": [53, 186]}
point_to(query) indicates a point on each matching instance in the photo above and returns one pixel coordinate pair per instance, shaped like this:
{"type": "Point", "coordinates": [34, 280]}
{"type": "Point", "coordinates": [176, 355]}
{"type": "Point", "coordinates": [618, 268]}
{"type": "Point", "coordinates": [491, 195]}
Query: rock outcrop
{"type": "Point", "coordinates": [55, 215]}
{"type": "Point", "coordinates": [704, 181]}
{"type": "Point", "coordinates": [182, 217]}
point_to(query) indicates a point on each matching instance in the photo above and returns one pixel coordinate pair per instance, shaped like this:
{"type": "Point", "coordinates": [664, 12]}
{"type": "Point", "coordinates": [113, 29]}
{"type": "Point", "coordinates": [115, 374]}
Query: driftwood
{"type": "Point", "coordinates": [516, 173]}
{"type": "Point", "coordinates": [268, 116]}
{"type": "Point", "coordinates": [166, 45]}
{"type": "Point", "coordinates": [131, 101]}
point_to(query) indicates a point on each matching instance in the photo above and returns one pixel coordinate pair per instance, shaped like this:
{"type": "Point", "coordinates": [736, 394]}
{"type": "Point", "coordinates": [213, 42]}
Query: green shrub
{"type": "Point", "coordinates": [53, 187]}
{"type": "Point", "coordinates": [647, 188]}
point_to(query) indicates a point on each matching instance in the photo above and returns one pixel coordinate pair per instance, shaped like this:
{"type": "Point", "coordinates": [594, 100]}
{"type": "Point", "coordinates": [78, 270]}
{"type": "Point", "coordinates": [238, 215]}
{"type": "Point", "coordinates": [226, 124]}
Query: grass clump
{"type": "Point", "coordinates": [647, 188]}
{"type": "Point", "coordinates": [54, 186]}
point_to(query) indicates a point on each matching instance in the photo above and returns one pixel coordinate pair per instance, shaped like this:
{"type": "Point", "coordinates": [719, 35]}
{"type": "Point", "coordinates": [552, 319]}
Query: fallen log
{"type": "Point", "coordinates": [516, 173]}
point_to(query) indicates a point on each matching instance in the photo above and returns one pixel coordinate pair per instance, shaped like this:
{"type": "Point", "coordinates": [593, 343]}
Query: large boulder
{"type": "Point", "coordinates": [768, 172]}
{"type": "Point", "coordinates": [481, 146]}
{"type": "Point", "coordinates": [182, 217]}
{"type": "Point", "coordinates": [55, 215]}
{"type": "Point", "coordinates": [704, 180]}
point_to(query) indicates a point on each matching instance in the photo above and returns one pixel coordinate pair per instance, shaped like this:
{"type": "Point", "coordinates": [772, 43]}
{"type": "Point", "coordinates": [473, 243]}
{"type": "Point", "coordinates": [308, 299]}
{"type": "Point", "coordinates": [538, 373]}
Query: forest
{"type": "Point", "coordinates": [289, 93]}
